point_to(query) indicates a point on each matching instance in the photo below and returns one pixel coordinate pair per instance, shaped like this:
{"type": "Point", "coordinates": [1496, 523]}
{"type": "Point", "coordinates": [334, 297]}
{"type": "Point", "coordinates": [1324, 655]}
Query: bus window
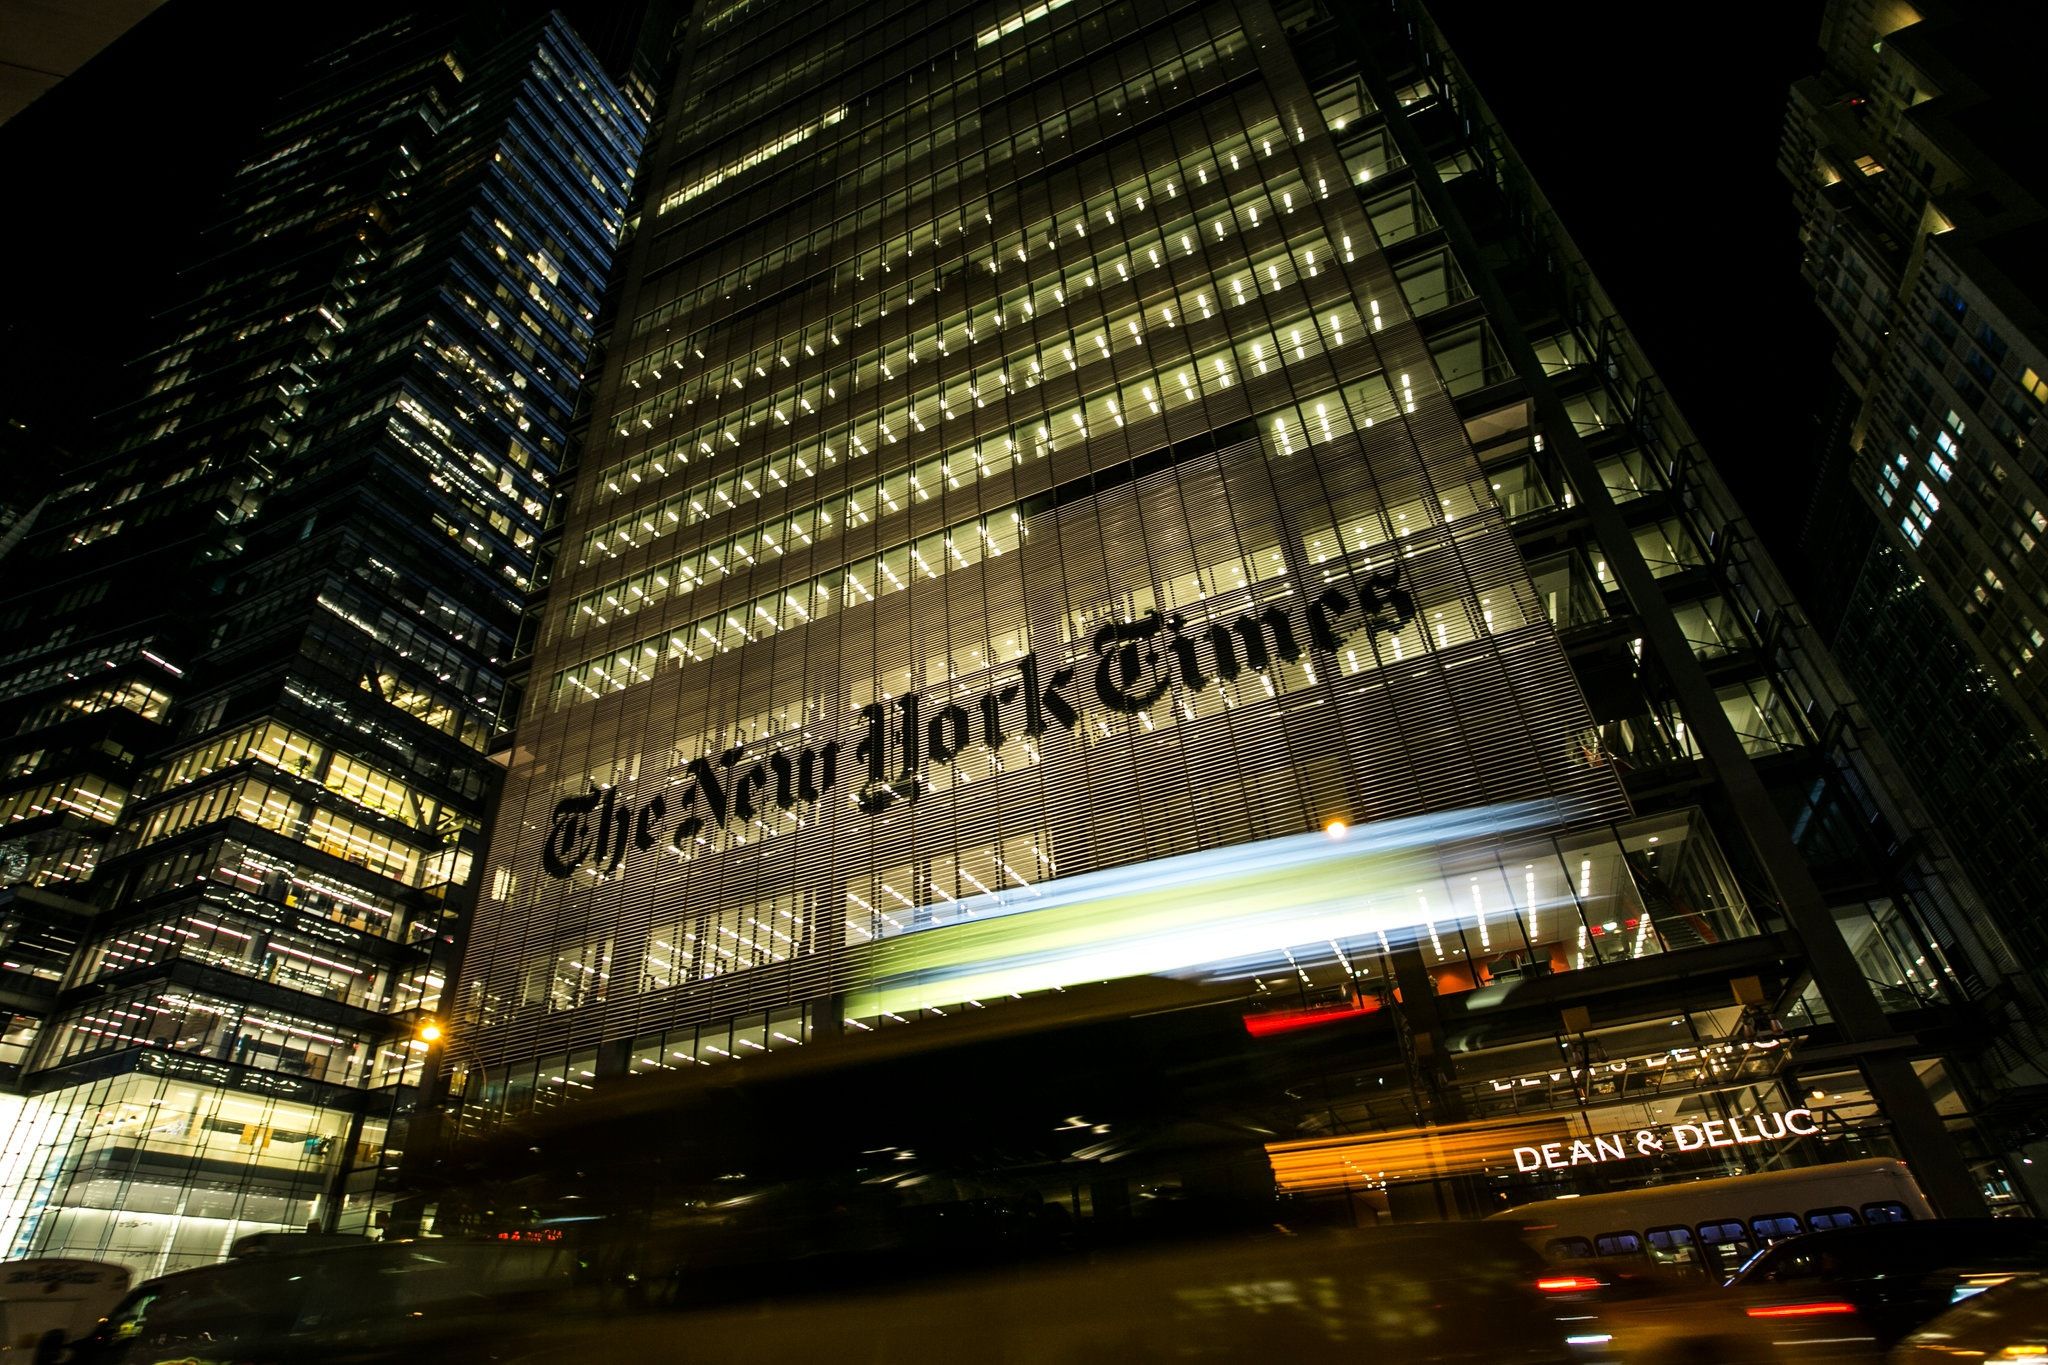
{"type": "Point", "coordinates": [1726, 1245]}
{"type": "Point", "coordinates": [1672, 1246]}
{"type": "Point", "coordinates": [1617, 1244]}
{"type": "Point", "coordinates": [1887, 1211]}
{"type": "Point", "coordinates": [1567, 1248]}
{"type": "Point", "coordinates": [1770, 1227]}
{"type": "Point", "coordinates": [1822, 1219]}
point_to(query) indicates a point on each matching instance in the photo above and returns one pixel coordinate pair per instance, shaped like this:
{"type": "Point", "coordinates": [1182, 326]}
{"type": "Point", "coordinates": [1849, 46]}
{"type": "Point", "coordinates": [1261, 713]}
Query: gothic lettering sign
{"type": "Point", "coordinates": [1129, 668]}
{"type": "Point", "coordinates": [1762, 1127]}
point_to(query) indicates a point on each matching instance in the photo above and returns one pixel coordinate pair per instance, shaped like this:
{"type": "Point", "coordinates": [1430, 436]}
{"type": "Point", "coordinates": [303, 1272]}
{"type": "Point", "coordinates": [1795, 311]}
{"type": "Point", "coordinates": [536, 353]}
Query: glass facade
{"type": "Point", "coordinates": [1104, 489]}
{"type": "Point", "coordinates": [1091, 379]}
{"type": "Point", "coordinates": [166, 1167]}
{"type": "Point", "coordinates": [250, 770]}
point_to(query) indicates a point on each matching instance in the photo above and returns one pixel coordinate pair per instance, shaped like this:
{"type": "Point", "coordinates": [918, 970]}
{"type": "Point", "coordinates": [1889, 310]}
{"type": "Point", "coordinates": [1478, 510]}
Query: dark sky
{"type": "Point", "coordinates": [112, 177]}
{"type": "Point", "coordinates": [1657, 144]}
{"type": "Point", "coordinates": [1657, 147]}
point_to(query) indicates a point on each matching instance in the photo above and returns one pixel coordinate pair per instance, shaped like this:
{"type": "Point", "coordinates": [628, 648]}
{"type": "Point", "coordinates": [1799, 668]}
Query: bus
{"type": "Point", "coordinates": [1713, 1226]}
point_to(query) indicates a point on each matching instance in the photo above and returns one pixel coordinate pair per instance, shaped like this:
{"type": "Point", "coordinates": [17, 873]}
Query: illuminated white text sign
{"type": "Point", "coordinates": [1713, 1056]}
{"type": "Point", "coordinates": [1747, 1130]}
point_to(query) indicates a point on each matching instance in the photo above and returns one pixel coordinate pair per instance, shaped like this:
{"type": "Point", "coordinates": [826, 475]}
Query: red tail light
{"type": "Point", "coordinates": [1567, 1284]}
{"type": "Point", "coordinates": [1800, 1310]}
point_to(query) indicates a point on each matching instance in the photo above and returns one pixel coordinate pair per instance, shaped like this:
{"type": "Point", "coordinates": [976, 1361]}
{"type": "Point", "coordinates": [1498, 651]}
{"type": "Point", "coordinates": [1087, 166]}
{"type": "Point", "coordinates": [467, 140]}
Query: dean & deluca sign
{"type": "Point", "coordinates": [1695, 1135]}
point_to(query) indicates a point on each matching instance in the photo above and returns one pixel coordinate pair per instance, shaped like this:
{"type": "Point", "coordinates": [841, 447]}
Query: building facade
{"type": "Point", "coordinates": [1921, 223]}
{"type": "Point", "coordinates": [1147, 488]}
{"type": "Point", "coordinates": [266, 647]}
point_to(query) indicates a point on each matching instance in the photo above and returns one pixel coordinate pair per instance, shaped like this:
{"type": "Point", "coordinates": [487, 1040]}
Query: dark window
{"type": "Point", "coordinates": [1771, 1226]}
{"type": "Point", "coordinates": [1669, 1239]}
{"type": "Point", "coordinates": [1889, 1211]}
{"type": "Point", "coordinates": [1673, 1246]}
{"type": "Point", "coordinates": [1822, 1219]}
{"type": "Point", "coordinates": [1787, 1264]}
{"type": "Point", "coordinates": [1725, 1245]}
{"type": "Point", "coordinates": [1617, 1244]}
{"type": "Point", "coordinates": [1567, 1248]}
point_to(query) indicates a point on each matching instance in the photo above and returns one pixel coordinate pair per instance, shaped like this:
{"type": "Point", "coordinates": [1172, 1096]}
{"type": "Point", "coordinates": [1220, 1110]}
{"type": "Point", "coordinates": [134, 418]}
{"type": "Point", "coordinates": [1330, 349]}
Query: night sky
{"type": "Point", "coordinates": [1657, 144]}
{"type": "Point", "coordinates": [113, 177]}
{"type": "Point", "coordinates": [1657, 148]}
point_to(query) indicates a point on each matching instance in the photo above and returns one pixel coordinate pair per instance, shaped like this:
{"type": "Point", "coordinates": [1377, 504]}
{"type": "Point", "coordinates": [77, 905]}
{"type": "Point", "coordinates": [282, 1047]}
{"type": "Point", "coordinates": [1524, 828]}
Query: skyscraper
{"type": "Point", "coordinates": [1921, 220]}
{"type": "Point", "coordinates": [267, 646]}
{"type": "Point", "coordinates": [1094, 489]}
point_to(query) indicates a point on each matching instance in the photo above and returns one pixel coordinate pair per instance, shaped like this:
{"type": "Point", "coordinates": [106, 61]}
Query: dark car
{"type": "Point", "coordinates": [1844, 1294]}
{"type": "Point", "coordinates": [2008, 1323]}
{"type": "Point", "coordinates": [382, 1301]}
{"type": "Point", "coordinates": [1441, 1294]}
{"type": "Point", "coordinates": [1898, 1275]}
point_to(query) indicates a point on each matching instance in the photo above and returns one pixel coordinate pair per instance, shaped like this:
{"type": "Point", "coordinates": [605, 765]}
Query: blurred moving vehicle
{"type": "Point", "coordinates": [1714, 1226]}
{"type": "Point", "coordinates": [1453, 1294]}
{"type": "Point", "coordinates": [1079, 1122]}
{"type": "Point", "coordinates": [1844, 1294]}
{"type": "Point", "coordinates": [67, 1297]}
{"type": "Point", "coordinates": [384, 1301]}
{"type": "Point", "coordinates": [1447, 1293]}
{"type": "Point", "coordinates": [2005, 1325]}
{"type": "Point", "coordinates": [271, 1243]}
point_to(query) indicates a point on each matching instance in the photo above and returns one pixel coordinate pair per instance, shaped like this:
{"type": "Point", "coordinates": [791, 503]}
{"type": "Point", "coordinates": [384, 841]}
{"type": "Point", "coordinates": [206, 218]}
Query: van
{"type": "Point", "coordinates": [41, 1297]}
{"type": "Point", "coordinates": [386, 1300]}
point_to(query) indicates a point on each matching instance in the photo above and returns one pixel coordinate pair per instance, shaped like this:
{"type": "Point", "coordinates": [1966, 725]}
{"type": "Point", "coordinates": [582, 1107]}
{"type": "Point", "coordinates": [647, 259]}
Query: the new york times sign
{"type": "Point", "coordinates": [1132, 666]}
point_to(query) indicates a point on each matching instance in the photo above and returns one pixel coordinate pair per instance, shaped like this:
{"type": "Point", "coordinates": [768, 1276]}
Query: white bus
{"type": "Point", "coordinates": [1714, 1225]}
{"type": "Point", "coordinates": [44, 1296]}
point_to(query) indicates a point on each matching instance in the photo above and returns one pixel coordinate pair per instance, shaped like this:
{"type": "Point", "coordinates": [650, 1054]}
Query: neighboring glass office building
{"type": "Point", "coordinates": [263, 650]}
{"type": "Point", "coordinates": [1057, 463]}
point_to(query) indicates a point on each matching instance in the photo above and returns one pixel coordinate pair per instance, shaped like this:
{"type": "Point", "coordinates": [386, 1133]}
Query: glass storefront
{"type": "Point", "coordinates": [161, 1173]}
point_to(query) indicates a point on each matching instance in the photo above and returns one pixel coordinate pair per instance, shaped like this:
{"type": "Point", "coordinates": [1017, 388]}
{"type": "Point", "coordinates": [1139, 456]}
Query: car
{"type": "Point", "coordinates": [1422, 1294]}
{"type": "Point", "coordinates": [382, 1301]}
{"type": "Point", "coordinates": [1843, 1294]}
{"type": "Point", "coordinates": [2007, 1324]}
